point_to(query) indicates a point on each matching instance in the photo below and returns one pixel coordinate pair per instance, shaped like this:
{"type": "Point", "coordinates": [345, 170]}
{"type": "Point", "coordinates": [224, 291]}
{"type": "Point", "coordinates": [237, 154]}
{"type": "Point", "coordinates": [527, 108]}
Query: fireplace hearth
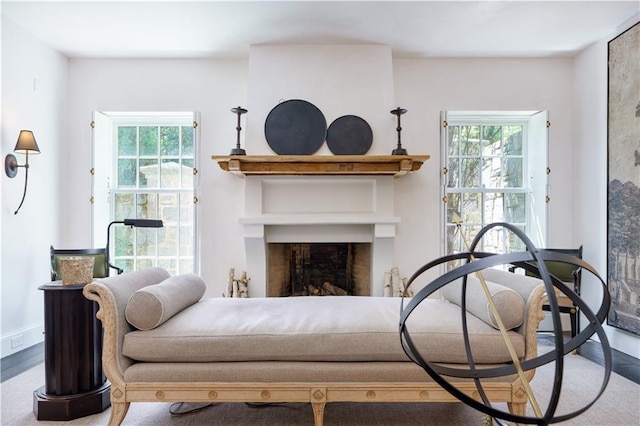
{"type": "Point", "coordinates": [319, 269]}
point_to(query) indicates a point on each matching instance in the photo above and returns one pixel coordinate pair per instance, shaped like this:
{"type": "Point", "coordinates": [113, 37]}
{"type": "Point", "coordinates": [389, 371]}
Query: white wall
{"type": "Point", "coordinates": [211, 87]}
{"type": "Point", "coordinates": [34, 90]}
{"type": "Point", "coordinates": [590, 175]}
{"type": "Point", "coordinates": [338, 79]}
{"type": "Point", "coordinates": [424, 87]}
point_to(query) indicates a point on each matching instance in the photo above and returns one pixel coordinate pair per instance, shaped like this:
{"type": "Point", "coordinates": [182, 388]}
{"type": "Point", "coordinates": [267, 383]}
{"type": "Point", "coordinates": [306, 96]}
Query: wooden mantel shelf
{"type": "Point", "coordinates": [320, 165]}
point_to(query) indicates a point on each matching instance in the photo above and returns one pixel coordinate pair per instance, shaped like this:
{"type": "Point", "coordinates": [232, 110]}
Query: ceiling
{"type": "Point", "coordinates": [217, 29]}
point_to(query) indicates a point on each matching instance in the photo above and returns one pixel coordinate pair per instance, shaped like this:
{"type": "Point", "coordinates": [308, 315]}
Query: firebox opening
{"type": "Point", "coordinates": [319, 269]}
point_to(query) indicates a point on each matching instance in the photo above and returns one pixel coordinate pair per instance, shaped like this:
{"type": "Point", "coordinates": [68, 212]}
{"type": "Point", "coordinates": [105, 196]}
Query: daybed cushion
{"type": "Point", "coordinates": [290, 371]}
{"type": "Point", "coordinates": [329, 328]}
{"type": "Point", "coordinates": [151, 306]}
{"type": "Point", "coordinates": [509, 303]}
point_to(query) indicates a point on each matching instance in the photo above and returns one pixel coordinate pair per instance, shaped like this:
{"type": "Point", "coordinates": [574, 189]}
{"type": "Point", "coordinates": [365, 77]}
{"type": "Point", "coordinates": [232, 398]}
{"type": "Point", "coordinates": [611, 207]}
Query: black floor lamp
{"type": "Point", "coordinates": [134, 223]}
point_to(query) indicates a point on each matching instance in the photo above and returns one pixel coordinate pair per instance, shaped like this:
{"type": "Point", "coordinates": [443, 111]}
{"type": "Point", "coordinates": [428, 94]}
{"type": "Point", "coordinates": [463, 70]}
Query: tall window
{"type": "Point", "coordinates": [152, 177]}
{"type": "Point", "coordinates": [487, 167]}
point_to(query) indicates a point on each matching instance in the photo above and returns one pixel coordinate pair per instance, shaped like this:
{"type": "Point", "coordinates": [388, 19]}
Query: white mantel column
{"type": "Point", "coordinates": [256, 252]}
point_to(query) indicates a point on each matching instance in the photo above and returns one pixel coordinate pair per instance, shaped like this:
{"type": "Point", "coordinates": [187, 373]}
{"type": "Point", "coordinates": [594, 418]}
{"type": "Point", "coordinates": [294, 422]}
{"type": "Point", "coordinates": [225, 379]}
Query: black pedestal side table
{"type": "Point", "coordinates": [75, 385]}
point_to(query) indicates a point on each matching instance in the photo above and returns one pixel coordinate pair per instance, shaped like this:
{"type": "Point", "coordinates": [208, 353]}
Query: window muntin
{"type": "Point", "coordinates": [154, 179]}
{"type": "Point", "coordinates": [486, 169]}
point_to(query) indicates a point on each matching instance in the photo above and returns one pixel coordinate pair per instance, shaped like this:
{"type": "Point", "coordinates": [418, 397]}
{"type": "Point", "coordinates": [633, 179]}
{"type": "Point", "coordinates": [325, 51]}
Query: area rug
{"type": "Point", "coordinates": [619, 405]}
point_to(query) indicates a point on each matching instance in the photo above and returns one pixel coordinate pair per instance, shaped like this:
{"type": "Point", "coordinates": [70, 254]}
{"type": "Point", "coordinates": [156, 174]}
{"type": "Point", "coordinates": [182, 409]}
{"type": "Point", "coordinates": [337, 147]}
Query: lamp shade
{"type": "Point", "coordinates": [143, 223]}
{"type": "Point", "coordinates": [27, 143]}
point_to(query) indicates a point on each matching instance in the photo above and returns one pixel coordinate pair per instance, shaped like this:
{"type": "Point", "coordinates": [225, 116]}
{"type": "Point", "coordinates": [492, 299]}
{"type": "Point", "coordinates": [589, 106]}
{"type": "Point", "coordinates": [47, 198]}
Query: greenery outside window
{"type": "Point", "coordinates": [153, 169]}
{"type": "Point", "coordinates": [487, 179]}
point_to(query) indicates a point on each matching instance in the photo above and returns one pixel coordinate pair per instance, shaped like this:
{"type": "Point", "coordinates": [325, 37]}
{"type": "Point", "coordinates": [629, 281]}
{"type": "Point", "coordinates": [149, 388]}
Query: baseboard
{"type": "Point", "coordinates": [18, 340]}
{"type": "Point", "coordinates": [19, 362]}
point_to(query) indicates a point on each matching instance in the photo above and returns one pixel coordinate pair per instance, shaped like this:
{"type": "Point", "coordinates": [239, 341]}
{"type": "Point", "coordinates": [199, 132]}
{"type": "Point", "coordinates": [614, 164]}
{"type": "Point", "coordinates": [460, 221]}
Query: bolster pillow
{"type": "Point", "coordinates": [152, 305]}
{"type": "Point", "coordinates": [509, 303]}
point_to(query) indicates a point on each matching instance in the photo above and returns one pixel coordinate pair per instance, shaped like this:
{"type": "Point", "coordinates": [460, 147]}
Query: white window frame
{"type": "Point", "coordinates": [535, 168]}
{"type": "Point", "coordinates": [105, 166]}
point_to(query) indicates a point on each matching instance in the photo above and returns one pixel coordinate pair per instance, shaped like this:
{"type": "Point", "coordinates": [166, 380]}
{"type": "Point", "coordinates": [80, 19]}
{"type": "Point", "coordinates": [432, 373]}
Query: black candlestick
{"type": "Point", "coordinates": [237, 150]}
{"type": "Point", "coordinates": [399, 150]}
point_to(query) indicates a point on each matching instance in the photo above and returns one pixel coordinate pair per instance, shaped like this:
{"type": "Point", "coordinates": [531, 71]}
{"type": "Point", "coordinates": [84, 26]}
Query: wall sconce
{"type": "Point", "coordinates": [134, 223]}
{"type": "Point", "coordinates": [26, 144]}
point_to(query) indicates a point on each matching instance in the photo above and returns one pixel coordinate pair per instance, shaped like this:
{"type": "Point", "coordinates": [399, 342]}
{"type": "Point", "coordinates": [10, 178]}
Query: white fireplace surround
{"type": "Point", "coordinates": [318, 209]}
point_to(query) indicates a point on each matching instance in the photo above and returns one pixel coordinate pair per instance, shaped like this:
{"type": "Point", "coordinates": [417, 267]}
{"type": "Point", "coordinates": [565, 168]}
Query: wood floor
{"type": "Point", "coordinates": [622, 364]}
{"type": "Point", "coordinates": [20, 362]}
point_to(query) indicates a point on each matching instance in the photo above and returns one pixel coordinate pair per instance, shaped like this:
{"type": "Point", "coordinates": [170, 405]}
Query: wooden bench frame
{"type": "Point", "coordinates": [317, 394]}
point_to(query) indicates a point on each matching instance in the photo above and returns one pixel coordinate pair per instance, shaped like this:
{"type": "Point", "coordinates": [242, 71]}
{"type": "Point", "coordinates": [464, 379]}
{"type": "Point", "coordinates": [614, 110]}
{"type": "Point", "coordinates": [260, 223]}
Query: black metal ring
{"type": "Point", "coordinates": [523, 260]}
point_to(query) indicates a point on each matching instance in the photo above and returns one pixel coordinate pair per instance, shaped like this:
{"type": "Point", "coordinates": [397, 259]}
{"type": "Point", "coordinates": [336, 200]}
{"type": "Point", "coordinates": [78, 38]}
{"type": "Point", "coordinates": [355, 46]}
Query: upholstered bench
{"type": "Point", "coordinates": [162, 342]}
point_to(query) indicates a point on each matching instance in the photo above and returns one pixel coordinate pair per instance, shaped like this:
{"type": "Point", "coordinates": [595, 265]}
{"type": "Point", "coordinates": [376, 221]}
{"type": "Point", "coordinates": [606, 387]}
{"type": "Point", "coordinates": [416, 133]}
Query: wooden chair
{"type": "Point", "coordinates": [100, 267]}
{"type": "Point", "coordinates": [569, 274]}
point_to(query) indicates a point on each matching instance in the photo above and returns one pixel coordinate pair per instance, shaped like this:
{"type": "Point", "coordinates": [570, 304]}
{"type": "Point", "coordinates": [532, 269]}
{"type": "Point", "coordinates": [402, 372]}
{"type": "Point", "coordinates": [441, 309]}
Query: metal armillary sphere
{"type": "Point", "coordinates": [532, 260]}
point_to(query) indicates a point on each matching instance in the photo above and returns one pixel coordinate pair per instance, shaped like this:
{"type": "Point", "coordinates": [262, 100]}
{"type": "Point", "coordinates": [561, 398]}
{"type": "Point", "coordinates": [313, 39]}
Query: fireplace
{"type": "Point", "coordinates": [319, 269]}
{"type": "Point", "coordinates": [336, 199]}
{"type": "Point", "coordinates": [294, 210]}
